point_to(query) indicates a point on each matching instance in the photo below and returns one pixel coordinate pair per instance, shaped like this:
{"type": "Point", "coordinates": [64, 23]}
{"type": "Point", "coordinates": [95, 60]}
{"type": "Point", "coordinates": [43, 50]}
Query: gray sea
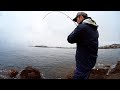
{"type": "Point", "coordinates": [52, 62]}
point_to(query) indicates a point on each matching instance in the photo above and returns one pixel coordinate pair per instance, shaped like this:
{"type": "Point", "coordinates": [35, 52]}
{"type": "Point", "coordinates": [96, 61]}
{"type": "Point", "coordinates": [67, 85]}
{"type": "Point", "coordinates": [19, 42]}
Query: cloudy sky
{"type": "Point", "coordinates": [29, 28]}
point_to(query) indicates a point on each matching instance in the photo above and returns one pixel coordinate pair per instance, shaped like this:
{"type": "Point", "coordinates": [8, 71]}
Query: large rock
{"type": "Point", "coordinates": [116, 69]}
{"type": "Point", "coordinates": [12, 73]}
{"type": "Point", "coordinates": [30, 73]}
{"type": "Point", "coordinates": [112, 73]}
{"type": "Point", "coordinates": [98, 73]}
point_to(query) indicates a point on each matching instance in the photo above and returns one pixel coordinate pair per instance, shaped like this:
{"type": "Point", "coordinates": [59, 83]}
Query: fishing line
{"type": "Point", "coordinates": [59, 12]}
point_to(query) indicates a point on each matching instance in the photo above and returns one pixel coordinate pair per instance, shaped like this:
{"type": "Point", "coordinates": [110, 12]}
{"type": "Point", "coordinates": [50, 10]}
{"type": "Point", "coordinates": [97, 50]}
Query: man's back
{"type": "Point", "coordinates": [86, 38]}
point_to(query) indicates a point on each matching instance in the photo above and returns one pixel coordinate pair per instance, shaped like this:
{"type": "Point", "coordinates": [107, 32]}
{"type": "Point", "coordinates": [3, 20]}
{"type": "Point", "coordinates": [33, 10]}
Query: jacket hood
{"type": "Point", "coordinates": [90, 21]}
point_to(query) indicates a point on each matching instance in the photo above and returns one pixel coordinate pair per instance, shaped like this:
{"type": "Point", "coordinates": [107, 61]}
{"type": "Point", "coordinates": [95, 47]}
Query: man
{"type": "Point", "coordinates": [85, 35]}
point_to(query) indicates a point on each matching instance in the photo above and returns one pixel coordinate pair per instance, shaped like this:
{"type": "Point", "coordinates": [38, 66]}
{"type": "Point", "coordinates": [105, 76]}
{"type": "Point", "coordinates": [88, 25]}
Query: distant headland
{"type": "Point", "coordinates": [43, 46]}
{"type": "Point", "coordinates": [112, 46]}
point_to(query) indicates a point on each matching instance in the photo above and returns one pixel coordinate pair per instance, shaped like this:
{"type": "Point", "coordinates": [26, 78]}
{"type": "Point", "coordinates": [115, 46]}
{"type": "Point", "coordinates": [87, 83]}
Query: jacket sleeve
{"type": "Point", "coordinates": [74, 37]}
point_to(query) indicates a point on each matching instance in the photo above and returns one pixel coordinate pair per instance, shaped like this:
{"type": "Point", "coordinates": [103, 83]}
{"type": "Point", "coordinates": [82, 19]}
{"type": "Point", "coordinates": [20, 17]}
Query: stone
{"type": "Point", "coordinates": [30, 73]}
{"type": "Point", "coordinates": [12, 73]}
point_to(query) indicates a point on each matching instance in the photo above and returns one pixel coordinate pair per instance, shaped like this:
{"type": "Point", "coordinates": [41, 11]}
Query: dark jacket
{"type": "Point", "coordinates": [85, 35]}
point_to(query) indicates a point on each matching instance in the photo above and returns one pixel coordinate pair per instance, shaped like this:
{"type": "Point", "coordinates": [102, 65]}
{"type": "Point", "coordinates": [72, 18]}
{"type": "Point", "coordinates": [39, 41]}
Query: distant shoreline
{"type": "Point", "coordinates": [54, 47]}
{"type": "Point", "coordinates": [113, 46]}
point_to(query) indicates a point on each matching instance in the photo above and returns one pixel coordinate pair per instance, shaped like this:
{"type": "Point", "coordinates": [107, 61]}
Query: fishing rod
{"type": "Point", "coordinates": [61, 13]}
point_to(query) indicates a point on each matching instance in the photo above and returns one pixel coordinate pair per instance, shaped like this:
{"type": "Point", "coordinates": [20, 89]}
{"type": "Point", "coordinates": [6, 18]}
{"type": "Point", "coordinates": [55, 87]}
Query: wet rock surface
{"type": "Point", "coordinates": [104, 72]}
{"type": "Point", "coordinates": [101, 72]}
{"type": "Point", "coordinates": [28, 73]}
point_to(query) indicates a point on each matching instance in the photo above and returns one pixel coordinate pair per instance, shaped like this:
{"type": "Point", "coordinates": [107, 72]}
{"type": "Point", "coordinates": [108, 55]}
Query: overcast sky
{"type": "Point", "coordinates": [29, 27]}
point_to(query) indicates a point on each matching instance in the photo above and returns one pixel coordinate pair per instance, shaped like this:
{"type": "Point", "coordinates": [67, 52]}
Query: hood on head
{"type": "Point", "coordinates": [90, 22]}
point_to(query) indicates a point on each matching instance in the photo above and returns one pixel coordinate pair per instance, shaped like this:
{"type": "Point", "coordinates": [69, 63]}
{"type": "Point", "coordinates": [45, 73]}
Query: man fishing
{"type": "Point", "coordinates": [85, 35]}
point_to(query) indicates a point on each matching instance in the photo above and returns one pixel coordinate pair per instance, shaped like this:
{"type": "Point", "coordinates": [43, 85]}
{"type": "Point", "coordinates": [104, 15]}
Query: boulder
{"type": "Point", "coordinates": [98, 73]}
{"type": "Point", "coordinates": [116, 69]}
{"type": "Point", "coordinates": [30, 73]}
{"type": "Point", "coordinates": [12, 73]}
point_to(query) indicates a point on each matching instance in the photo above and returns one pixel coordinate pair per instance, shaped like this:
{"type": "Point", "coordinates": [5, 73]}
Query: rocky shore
{"type": "Point", "coordinates": [104, 72]}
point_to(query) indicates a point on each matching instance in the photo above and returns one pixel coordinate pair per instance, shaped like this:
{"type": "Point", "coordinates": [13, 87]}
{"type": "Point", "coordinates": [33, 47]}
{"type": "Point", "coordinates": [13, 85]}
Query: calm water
{"type": "Point", "coordinates": [52, 62]}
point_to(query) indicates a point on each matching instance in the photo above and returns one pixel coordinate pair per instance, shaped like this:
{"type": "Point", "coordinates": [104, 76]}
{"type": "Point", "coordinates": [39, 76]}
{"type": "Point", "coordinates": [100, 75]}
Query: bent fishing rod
{"type": "Point", "coordinates": [61, 13]}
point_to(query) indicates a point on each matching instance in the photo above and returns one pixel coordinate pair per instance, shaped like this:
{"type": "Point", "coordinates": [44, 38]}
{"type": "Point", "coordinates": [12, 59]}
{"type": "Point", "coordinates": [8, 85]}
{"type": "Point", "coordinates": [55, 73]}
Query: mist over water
{"type": "Point", "coordinates": [28, 27]}
{"type": "Point", "coordinates": [55, 29]}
